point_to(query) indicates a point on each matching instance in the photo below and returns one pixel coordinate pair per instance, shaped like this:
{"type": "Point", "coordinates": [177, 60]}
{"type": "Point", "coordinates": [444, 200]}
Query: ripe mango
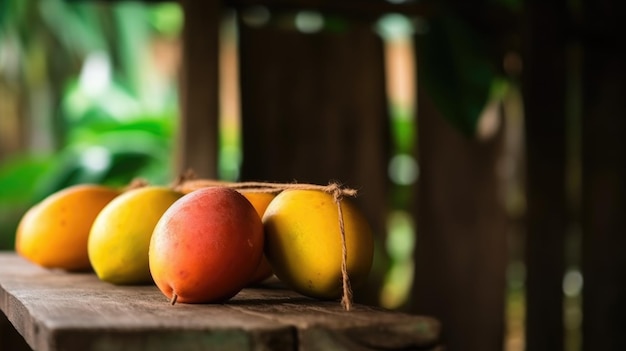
{"type": "Point", "coordinates": [303, 242]}
{"type": "Point", "coordinates": [260, 201]}
{"type": "Point", "coordinates": [54, 232]}
{"type": "Point", "coordinates": [206, 246]}
{"type": "Point", "coordinates": [120, 235]}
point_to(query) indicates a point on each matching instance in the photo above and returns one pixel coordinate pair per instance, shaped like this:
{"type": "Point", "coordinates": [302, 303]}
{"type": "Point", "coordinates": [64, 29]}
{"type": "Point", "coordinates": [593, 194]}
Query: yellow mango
{"type": "Point", "coordinates": [303, 242]}
{"type": "Point", "coordinates": [120, 236]}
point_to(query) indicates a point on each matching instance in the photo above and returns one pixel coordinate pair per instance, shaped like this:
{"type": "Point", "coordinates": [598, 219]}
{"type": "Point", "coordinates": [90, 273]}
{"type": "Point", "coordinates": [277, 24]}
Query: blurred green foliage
{"type": "Point", "coordinates": [460, 56]}
{"type": "Point", "coordinates": [109, 112]}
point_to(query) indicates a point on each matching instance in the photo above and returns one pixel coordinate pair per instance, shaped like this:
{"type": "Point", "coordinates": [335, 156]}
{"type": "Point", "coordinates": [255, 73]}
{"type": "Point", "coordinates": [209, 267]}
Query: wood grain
{"type": "Point", "coordinates": [54, 310]}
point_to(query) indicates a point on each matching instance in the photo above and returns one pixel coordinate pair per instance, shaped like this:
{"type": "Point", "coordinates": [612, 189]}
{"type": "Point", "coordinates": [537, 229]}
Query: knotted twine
{"type": "Point", "coordinates": [335, 189]}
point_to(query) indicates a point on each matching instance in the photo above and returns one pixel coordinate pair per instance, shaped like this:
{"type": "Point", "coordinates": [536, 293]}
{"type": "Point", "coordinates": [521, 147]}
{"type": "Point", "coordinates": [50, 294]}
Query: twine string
{"type": "Point", "coordinates": [346, 298]}
{"type": "Point", "coordinates": [136, 183]}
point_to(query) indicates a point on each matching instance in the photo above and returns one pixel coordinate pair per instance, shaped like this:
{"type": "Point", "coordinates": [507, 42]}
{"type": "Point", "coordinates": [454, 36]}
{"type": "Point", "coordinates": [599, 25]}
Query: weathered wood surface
{"type": "Point", "coordinates": [55, 310]}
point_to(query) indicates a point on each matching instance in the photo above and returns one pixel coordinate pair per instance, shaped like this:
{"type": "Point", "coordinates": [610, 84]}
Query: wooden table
{"type": "Point", "coordinates": [55, 310]}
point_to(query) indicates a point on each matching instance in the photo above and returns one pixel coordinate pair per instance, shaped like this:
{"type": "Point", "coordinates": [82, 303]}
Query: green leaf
{"type": "Point", "coordinates": [403, 129]}
{"type": "Point", "coordinates": [166, 18]}
{"type": "Point", "coordinates": [454, 67]}
{"type": "Point", "coordinates": [19, 178]}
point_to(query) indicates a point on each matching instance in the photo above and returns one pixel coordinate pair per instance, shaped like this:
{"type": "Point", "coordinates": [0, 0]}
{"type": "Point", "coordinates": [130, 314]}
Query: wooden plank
{"type": "Point", "coordinates": [327, 329]}
{"type": "Point", "coordinates": [544, 87]}
{"type": "Point", "coordinates": [199, 95]}
{"type": "Point", "coordinates": [314, 109]}
{"type": "Point", "coordinates": [461, 251]}
{"type": "Point", "coordinates": [55, 310]}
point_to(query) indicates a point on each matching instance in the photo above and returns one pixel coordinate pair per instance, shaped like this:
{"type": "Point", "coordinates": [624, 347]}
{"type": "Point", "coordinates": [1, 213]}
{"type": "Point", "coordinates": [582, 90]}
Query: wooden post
{"type": "Point", "coordinates": [461, 250]}
{"type": "Point", "coordinates": [604, 177]}
{"type": "Point", "coordinates": [198, 135]}
{"type": "Point", "coordinates": [544, 87]}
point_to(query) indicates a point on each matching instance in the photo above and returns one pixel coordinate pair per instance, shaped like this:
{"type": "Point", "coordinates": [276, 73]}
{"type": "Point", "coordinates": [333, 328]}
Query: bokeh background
{"type": "Point", "coordinates": [89, 93]}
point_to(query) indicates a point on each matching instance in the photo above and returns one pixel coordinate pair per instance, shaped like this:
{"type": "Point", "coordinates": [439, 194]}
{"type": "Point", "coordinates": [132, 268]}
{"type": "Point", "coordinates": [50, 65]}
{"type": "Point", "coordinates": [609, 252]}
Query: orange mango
{"type": "Point", "coordinates": [260, 201]}
{"type": "Point", "coordinates": [54, 232]}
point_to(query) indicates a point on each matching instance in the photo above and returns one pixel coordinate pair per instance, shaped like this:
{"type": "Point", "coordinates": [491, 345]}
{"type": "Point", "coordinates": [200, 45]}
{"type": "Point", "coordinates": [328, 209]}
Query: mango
{"type": "Point", "coordinates": [304, 247]}
{"type": "Point", "coordinates": [206, 246]}
{"type": "Point", "coordinates": [54, 232]}
{"type": "Point", "coordinates": [260, 201]}
{"type": "Point", "coordinates": [120, 235]}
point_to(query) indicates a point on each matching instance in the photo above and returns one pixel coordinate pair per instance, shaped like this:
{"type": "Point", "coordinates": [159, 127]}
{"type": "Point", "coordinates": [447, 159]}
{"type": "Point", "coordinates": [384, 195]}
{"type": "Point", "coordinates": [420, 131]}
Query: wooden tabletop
{"type": "Point", "coordinates": [56, 310]}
